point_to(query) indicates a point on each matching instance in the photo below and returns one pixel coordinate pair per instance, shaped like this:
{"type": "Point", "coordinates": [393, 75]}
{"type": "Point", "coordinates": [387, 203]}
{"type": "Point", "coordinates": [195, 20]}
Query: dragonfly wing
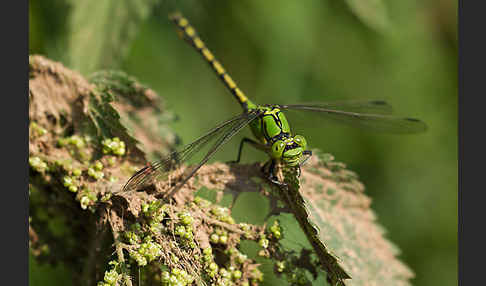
{"type": "Point", "coordinates": [369, 121]}
{"type": "Point", "coordinates": [219, 135]}
{"type": "Point", "coordinates": [225, 137]}
{"type": "Point", "coordinates": [351, 105]}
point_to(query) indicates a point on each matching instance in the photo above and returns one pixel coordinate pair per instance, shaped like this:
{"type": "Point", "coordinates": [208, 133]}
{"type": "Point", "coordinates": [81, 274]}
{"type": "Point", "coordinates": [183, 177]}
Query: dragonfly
{"type": "Point", "coordinates": [268, 123]}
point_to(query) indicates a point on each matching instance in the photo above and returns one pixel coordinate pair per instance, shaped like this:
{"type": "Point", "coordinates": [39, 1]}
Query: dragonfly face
{"type": "Point", "coordinates": [290, 150]}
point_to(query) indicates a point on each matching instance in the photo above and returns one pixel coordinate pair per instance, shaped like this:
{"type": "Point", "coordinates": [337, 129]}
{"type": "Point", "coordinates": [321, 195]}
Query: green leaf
{"type": "Point", "coordinates": [101, 31]}
{"type": "Point", "coordinates": [372, 13]}
{"type": "Point", "coordinates": [121, 106]}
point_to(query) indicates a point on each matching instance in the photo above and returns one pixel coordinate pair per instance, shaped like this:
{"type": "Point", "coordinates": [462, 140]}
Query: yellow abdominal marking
{"type": "Point", "coordinates": [191, 36]}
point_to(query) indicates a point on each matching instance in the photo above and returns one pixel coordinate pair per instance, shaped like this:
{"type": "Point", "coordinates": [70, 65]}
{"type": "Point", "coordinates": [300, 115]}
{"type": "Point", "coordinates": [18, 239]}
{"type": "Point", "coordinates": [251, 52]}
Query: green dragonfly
{"type": "Point", "coordinates": [268, 124]}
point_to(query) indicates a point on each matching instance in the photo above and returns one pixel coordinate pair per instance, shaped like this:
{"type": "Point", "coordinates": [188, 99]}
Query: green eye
{"type": "Point", "coordinates": [300, 140]}
{"type": "Point", "coordinates": [277, 149]}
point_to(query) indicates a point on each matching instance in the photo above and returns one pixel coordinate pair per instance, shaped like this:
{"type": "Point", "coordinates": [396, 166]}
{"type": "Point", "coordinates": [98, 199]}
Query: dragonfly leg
{"type": "Point", "coordinates": [307, 153]}
{"type": "Point", "coordinates": [252, 143]}
{"type": "Point", "coordinates": [270, 173]}
{"type": "Point", "coordinates": [263, 169]}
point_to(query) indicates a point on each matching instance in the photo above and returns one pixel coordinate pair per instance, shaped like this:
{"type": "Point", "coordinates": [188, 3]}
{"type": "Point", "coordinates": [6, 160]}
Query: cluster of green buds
{"type": "Point", "coordinates": [155, 212]}
{"type": "Point", "coordinates": [218, 212]}
{"type": "Point", "coordinates": [186, 235]}
{"type": "Point", "coordinates": [228, 276]}
{"type": "Point", "coordinates": [66, 165]}
{"type": "Point", "coordinates": [77, 172]}
{"type": "Point", "coordinates": [280, 266]}
{"type": "Point", "coordinates": [236, 256]}
{"type": "Point", "coordinates": [74, 140]}
{"type": "Point", "coordinates": [75, 145]}
{"type": "Point", "coordinates": [133, 235]}
{"type": "Point", "coordinates": [184, 229]}
{"type": "Point", "coordinates": [222, 214]}
{"type": "Point", "coordinates": [219, 236]}
{"type": "Point", "coordinates": [155, 226]}
{"type": "Point", "coordinates": [297, 277]}
{"type": "Point", "coordinates": [37, 164]}
{"type": "Point", "coordinates": [202, 203]}
{"type": "Point", "coordinates": [95, 171]}
{"type": "Point", "coordinates": [147, 252]}
{"type": "Point", "coordinates": [263, 241]}
{"type": "Point", "coordinates": [113, 146]}
{"type": "Point", "coordinates": [294, 275]}
{"type": "Point", "coordinates": [246, 228]}
{"type": "Point", "coordinates": [71, 182]}
{"type": "Point", "coordinates": [176, 277]}
{"type": "Point", "coordinates": [210, 266]}
{"type": "Point", "coordinates": [87, 198]}
{"type": "Point", "coordinates": [112, 276]}
{"type": "Point", "coordinates": [222, 275]}
{"type": "Point", "coordinates": [256, 276]}
{"type": "Point", "coordinates": [235, 273]}
{"type": "Point", "coordinates": [185, 218]}
{"type": "Point", "coordinates": [37, 129]}
{"type": "Point", "coordinates": [276, 230]}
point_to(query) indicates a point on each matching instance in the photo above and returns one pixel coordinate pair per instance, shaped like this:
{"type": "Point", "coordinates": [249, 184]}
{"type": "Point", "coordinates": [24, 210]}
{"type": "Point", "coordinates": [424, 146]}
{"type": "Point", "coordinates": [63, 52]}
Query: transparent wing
{"type": "Point", "coordinates": [218, 136]}
{"type": "Point", "coordinates": [372, 116]}
{"type": "Point", "coordinates": [353, 105]}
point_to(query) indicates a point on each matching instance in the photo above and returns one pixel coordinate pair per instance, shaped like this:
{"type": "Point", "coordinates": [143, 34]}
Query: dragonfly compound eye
{"type": "Point", "coordinates": [277, 149]}
{"type": "Point", "coordinates": [300, 140]}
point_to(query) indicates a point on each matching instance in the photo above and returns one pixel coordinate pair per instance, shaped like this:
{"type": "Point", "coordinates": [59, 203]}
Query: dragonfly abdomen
{"type": "Point", "coordinates": [190, 35]}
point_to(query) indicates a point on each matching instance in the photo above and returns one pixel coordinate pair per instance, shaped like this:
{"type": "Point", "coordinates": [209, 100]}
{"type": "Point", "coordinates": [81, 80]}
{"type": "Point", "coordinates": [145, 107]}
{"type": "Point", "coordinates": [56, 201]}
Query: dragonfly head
{"type": "Point", "coordinates": [289, 150]}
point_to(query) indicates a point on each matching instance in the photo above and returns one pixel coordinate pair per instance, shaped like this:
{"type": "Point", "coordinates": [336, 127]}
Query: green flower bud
{"type": "Point", "coordinates": [241, 258]}
{"type": "Point", "coordinates": [77, 172]}
{"type": "Point", "coordinates": [263, 242]}
{"type": "Point", "coordinates": [98, 166]}
{"type": "Point", "coordinates": [224, 273]}
{"type": "Point", "coordinates": [73, 189]}
{"type": "Point", "coordinates": [208, 251]}
{"type": "Point", "coordinates": [111, 277]}
{"type": "Point", "coordinates": [67, 181]}
{"type": "Point", "coordinates": [180, 230]}
{"type": "Point", "coordinates": [186, 218]}
{"type": "Point", "coordinates": [84, 202]}
{"type": "Point", "coordinates": [214, 238]}
{"type": "Point", "coordinates": [61, 142]}
{"type": "Point", "coordinates": [223, 239]}
{"type": "Point", "coordinates": [237, 274]}
{"type": "Point", "coordinates": [91, 172]}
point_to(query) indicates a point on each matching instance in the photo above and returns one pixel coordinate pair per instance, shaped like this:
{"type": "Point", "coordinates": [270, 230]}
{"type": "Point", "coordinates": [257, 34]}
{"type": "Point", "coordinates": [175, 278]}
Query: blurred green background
{"type": "Point", "coordinates": [288, 52]}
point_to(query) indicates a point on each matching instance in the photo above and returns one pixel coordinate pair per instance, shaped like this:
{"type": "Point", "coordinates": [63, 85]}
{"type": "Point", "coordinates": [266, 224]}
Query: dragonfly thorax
{"type": "Point", "coordinates": [274, 124]}
{"type": "Point", "coordinates": [270, 126]}
{"type": "Point", "coordinates": [273, 130]}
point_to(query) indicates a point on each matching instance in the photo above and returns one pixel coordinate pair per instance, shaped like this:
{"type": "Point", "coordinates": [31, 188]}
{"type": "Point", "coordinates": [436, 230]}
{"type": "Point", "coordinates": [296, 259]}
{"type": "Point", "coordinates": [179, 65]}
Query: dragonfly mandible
{"type": "Point", "coordinates": [268, 123]}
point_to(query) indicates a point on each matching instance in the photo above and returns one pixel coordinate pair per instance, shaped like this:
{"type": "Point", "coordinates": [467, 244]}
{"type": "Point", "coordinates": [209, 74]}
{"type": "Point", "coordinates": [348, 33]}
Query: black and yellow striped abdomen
{"type": "Point", "coordinates": [190, 35]}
